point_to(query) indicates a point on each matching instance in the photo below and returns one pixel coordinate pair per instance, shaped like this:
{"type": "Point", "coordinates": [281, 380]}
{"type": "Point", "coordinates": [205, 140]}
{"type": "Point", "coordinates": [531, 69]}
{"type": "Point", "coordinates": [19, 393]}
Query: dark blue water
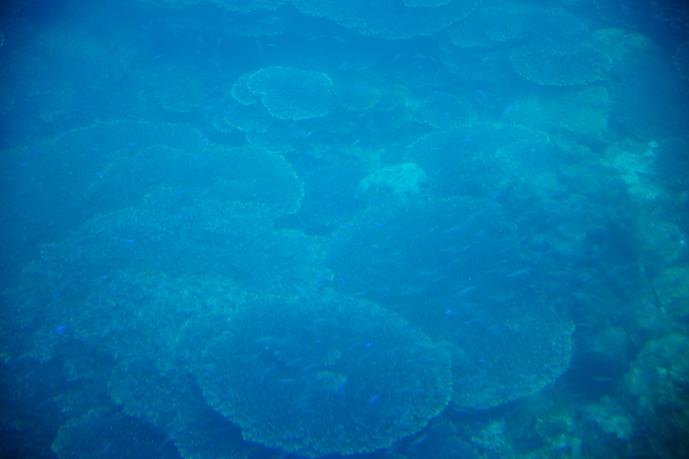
{"type": "Point", "coordinates": [395, 229]}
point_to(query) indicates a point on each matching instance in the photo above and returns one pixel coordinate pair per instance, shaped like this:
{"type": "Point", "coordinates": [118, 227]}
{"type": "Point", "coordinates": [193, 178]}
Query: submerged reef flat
{"type": "Point", "coordinates": [344, 229]}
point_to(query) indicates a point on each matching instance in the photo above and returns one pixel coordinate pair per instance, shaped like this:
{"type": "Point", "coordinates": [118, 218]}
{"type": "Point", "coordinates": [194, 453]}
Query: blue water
{"type": "Point", "coordinates": [395, 229]}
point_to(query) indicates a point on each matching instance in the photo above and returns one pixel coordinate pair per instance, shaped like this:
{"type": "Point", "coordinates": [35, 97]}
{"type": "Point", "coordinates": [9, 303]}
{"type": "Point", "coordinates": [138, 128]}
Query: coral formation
{"type": "Point", "coordinates": [173, 403]}
{"type": "Point", "coordinates": [659, 375]}
{"type": "Point", "coordinates": [404, 229]}
{"type": "Point", "coordinates": [581, 113]}
{"type": "Point", "coordinates": [243, 6]}
{"type": "Point", "coordinates": [402, 182]}
{"type": "Point", "coordinates": [681, 60]}
{"type": "Point", "coordinates": [561, 64]}
{"type": "Point", "coordinates": [292, 94]}
{"type": "Point", "coordinates": [491, 25]}
{"type": "Point", "coordinates": [477, 159]}
{"type": "Point", "coordinates": [104, 433]}
{"type": "Point", "coordinates": [432, 268]}
{"type": "Point", "coordinates": [670, 162]}
{"type": "Point", "coordinates": [319, 376]}
{"type": "Point", "coordinates": [247, 174]}
{"type": "Point", "coordinates": [357, 92]}
{"type": "Point", "coordinates": [647, 98]}
{"type": "Point", "coordinates": [391, 19]}
{"type": "Point", "coordinates": [442, 110]}
{"type": "Point", "coordinates": [233, 242]}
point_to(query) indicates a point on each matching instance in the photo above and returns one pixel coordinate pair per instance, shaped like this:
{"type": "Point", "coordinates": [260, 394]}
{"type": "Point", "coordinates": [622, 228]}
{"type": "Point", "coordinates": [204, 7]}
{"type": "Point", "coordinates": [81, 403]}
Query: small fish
{"type": "Point", "coordinates": [359, 293]}
{"type": "Point", "coordinates": [427, 272]}
{"type": "Point", "coordinates": [602, 379]}
{"type": "Point", "coordinates": [454, 228]}
{"type": "Point", "coordinates": [398, 253]}
{"type": "Point", "coordinates": [412, 290]}
{"type": "Point", "coordinates": [266, 340]}
{"type": "Point", "coordinates": [518, 273]}
{"type": "Point", "coordinates": [293, 362]}
{"type": "Point", "coordinates": [374, 399]}
{"type": "Point", "coordinates": [421, 439]}
{"type": "Point", "coordinates": [454, 249]}
{"type": "Point", "coordinates": [466, 290]}
{"type": "Point", "coordinates": [456, 261]}
{"type": "Point", "coordinates": [60, 329]}
{"type": "Point", "coordinates": [309, 368]}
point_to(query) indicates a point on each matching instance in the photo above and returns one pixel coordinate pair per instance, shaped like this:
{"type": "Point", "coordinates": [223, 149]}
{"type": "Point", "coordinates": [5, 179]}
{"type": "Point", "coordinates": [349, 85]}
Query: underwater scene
{"type": "Point", "coordinates": [344, 229]}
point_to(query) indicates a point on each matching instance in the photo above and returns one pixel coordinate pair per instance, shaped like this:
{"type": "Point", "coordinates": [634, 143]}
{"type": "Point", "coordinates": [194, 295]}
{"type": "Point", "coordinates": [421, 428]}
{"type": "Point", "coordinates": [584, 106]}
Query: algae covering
{"type": "Point", "coordinates": [395, 229]}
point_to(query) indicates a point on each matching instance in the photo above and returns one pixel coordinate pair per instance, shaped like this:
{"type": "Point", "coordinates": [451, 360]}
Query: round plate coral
{"type": "Point", "coordinates": [318, 376]}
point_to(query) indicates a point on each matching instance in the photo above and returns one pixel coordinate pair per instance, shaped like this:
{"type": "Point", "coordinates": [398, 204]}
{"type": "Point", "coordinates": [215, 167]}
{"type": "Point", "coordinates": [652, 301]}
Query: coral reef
{"type": "Point", "coordinates": [561, 64]}
{"type": "Point", "coordinates": [391, 19]}
{"type": "Point", "coordinates": [402, 182]}
{"type": "Point", "coordinates": [103, 433]}
{"type": "Point", "coordinates": [490, 26]}
{"type": "Point", "coordinates": [444, 111]}
{"type": "Point", "coordinates": [394, 229]}
{"type": "Point", "coordinates": [243, 6]}
{"type": "Point", "coordinates": [681, 60]}
{"type": "Point", "coordinates": [247, 174]}
{"type": "Point", "coordinates": [292, 94]}
{"type": "Point", "coordinates": [433, 266]}
{"type": "Point", "coordinates": [582, 113]}
{"type": "Point", "coordinates": [319, 376]}
{"type": "Point", "coordinates": [670, 158]}
{"type": "Point", "coordinates": [477, 159]}
{"type": "Point", "coordinates": [657, 381]}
